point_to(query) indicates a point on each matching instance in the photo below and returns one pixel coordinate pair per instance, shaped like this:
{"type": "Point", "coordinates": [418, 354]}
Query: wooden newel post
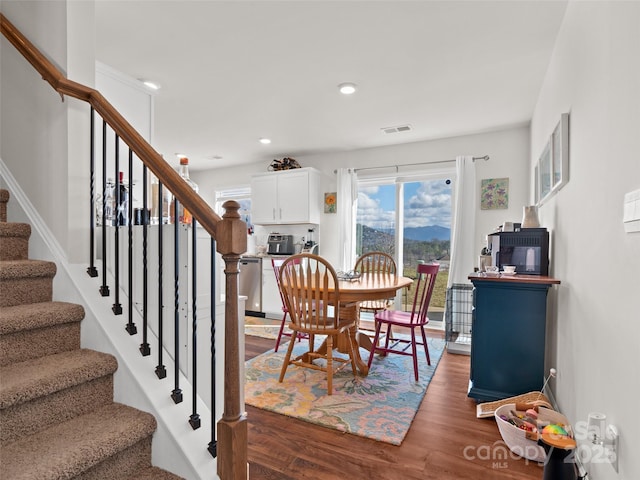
{"type": "Point", "coordinates": [231, 237]}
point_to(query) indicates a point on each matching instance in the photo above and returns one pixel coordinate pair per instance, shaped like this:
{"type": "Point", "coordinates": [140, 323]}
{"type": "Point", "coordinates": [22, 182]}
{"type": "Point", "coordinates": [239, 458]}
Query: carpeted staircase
{"type": "Point", "coordinates": [58, 419]}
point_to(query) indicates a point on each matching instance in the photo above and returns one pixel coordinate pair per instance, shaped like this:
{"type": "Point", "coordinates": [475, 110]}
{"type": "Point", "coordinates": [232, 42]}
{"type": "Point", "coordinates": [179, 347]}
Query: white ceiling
{"type": "Point", "coordinates": [235, 71]}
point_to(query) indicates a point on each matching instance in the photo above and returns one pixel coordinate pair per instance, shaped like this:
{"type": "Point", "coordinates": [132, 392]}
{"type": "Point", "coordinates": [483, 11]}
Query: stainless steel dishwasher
{"type": "Point", "coordinates": [250, 284]}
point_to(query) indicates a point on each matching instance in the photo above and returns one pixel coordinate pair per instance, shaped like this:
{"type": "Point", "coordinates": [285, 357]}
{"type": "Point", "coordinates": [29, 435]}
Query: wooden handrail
{"type": "Point", "coordinates": [229, 231]}
{"type": "Point", "coordinates": [145, 152]}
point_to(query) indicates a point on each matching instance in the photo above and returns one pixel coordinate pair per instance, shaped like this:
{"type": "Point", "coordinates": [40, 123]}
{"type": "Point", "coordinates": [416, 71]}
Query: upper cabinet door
{"type": "Point", "coordinates": [287, 197]}
{"type": "Point", "coordinates": [264, 199]}
{"type": "Point", "coordinates": [293, 197]}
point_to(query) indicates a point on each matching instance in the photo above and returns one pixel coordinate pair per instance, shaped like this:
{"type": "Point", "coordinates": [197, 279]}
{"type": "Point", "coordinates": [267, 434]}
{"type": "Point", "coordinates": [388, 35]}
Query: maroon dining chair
{"type": "Point", "coordinates": [277, 263]}
{"type": "Point", "coordinates": [416, 319]}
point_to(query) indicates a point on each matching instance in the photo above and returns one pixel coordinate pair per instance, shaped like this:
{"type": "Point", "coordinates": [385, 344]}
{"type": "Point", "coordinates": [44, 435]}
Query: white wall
{"type": "Point", "coordinates": [593, 335]}
{"type": "Point", "coordinates": [508, 149]}
{"type": "Point", "coordinates": [39, 131]}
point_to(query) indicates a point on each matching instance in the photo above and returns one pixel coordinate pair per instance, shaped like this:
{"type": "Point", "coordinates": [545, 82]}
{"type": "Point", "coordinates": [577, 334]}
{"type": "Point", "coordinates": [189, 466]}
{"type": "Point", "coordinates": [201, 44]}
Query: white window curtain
{"type": "Point", "coordinates": [347, 196]}
{"type": "Point", "coordinates": [463, 222]}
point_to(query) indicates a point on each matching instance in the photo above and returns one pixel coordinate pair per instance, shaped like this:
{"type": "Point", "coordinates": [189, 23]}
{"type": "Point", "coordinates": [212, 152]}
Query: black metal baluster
{"type": "Point", "coordinates": [145, 350]}
{"type": "Point", "coordinates": [194, 419]}
{"type": "Point", "coordinates": [213, 444]}
{"type": "Point", "coordinates": [104, 289]}
{"type": "Point", "coordinates": [161, 371]}
{"type": "Point", "coordinates": [92, 271]}
{"type": "Point", "coordinates": [176, 394]}
{"type": "Point", "coordinates": [117, 307]}
{"type": "Point", "coordinates": [131, 327]}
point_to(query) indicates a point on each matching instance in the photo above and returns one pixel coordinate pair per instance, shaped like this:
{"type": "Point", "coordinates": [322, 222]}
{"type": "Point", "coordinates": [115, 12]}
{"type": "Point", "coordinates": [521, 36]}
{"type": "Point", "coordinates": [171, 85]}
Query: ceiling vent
{"type": "Point", "coordinates": [398, 129]}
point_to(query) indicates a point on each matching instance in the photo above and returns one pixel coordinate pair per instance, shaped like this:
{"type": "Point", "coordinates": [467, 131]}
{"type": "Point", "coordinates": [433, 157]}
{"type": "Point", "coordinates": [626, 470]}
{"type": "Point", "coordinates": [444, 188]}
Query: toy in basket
{"type": "Point", "coordinates": [521, 426]}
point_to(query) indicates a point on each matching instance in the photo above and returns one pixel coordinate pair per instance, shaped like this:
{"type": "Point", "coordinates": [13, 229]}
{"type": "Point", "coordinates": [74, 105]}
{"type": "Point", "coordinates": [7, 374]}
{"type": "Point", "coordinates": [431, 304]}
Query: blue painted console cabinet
{"type": "Point", "coordinates": [508, 335]}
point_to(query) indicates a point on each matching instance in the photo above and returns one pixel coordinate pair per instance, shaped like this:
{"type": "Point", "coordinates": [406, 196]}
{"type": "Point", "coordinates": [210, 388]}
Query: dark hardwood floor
{"type": "Point", "coordinates": [446, 440]}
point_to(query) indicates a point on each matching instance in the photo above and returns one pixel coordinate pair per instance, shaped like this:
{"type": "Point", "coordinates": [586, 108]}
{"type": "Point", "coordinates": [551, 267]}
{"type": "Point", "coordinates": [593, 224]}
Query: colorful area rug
{"type": "Point", "coordinates": [263, 327]}
{"type": "Point", "coordinates": [380, 406]}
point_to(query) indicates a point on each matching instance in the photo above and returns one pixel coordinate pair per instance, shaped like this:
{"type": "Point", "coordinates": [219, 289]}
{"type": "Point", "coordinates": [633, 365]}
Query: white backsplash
{"type": "Point", "coordinates": [300, 234]}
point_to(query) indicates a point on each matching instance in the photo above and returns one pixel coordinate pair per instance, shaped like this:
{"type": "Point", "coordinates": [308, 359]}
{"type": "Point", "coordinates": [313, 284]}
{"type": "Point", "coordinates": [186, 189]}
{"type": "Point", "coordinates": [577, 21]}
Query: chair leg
{"type": "Point", "coordinates": [352, 354]}
{"type": "Point", "coordinates": [387, 338]}
{"type": "Point", "coordinates": [329, 365]}
{"type": "Point", "coordinates": [375, 344]}
{"type": "Point", "coordinates": [389, 332]}
{"type": "Point", "coordinates": [285, 363]}
{"type": "Point", "coordinates": [426, 347]}
{"type": "Point", "coordinates": [284, 319]}
{"type": "Point", "coordinates": [414, 353]}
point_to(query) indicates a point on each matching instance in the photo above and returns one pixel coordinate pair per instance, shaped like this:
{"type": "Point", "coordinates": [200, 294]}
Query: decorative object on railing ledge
{"type": "Point", "coordinates": [284, 164]}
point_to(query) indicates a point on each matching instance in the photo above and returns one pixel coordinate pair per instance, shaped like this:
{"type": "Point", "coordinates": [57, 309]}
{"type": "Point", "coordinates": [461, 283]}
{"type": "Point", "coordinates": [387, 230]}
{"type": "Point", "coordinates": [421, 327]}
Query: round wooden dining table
{"type": "Point", "coordinates": [369, 286]}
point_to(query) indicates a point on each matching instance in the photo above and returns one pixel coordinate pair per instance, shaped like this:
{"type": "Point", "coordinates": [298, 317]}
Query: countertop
{"type": "Point", "coordinates": [517, 278]}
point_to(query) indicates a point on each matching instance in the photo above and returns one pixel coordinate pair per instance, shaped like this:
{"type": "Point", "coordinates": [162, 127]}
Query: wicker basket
{"type": "Point", "coordinates": [522, 443]}
{"type": "Point", "coordinates": [538, 399]}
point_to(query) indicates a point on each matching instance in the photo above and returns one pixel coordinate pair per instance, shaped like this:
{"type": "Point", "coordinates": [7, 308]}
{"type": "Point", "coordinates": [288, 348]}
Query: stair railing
{"type": "Point", "coordinates": [228, 237]}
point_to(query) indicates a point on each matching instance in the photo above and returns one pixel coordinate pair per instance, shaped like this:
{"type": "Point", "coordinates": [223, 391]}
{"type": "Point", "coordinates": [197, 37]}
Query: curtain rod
{"type": "Point", "coordinates": [484, 157]}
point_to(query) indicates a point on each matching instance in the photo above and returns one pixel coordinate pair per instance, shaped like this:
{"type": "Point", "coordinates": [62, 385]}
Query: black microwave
{"type": "Point", "coordinates": [527, 249]}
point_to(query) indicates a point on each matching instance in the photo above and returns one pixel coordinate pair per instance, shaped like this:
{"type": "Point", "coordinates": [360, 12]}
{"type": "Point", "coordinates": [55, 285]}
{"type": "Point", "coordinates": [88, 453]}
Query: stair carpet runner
{"type": "Point", "coordinates": [58, 419]}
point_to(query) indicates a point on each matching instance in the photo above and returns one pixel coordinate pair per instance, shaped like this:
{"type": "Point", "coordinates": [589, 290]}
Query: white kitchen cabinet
{"type": "Point", "coordinates": [271, 302]}
{"type": "Point", "coordinates": [287, 197]}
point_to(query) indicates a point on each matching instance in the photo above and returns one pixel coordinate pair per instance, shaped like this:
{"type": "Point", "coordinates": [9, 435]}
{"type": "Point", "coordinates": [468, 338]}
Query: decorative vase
{"type": "Point", "coordinates": [530, 217]}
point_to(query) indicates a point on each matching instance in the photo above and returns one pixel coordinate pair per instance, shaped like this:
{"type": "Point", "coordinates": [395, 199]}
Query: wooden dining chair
{"type": "Point", "coordinates": [375, 262]}
{"type": "Point", "coordinates": [311, 291]}
{"type": "Point", "coordinates": [416, 319]}
{"type": "Point", "coordinates": [277, 263]}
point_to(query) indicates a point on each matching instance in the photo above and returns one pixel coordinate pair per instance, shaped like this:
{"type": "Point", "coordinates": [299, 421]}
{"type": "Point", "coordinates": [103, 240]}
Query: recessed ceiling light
{"type": "Point", "coordinates": [214, 157]}
{"type": "Point", "coordinates": [347, 88]}
{"type": "Point", "coordinates": [265, 141]}
{"type": "Point", "coordinates": [152, 85]}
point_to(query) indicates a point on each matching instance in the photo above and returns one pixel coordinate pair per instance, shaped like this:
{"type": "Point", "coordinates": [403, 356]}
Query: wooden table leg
{"type": "Point", "coordinates": [359, 339]}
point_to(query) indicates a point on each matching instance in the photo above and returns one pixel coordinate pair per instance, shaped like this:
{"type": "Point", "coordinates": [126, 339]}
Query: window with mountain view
{"type": "Point", "coordinates": [412, 222]}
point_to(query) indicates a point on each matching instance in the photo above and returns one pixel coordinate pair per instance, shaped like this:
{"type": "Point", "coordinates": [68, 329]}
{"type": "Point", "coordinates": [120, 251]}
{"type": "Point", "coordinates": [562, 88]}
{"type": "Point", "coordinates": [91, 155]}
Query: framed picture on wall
{"type": "Point", "coordinates": [545, 173]}
{"type": "Point", "coordinates": [560, 153]}
{"type": "Point", "coordinates": [494, 194]}
{"type": "Point", "coordinates": [536, 186]}
{"type": "Point", "coordinates": [552, 169]}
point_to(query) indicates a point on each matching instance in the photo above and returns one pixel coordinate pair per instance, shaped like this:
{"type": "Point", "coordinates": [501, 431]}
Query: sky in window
{"type": "Point", "coordinates": [426, 203]}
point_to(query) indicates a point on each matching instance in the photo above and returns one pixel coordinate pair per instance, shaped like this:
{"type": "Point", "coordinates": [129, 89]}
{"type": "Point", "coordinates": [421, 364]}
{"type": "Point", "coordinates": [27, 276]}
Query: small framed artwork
{"type": "Point", "coordinates": [536, 186]}
{"type": "Point", "coordinates": [552, 169]}
{"type": "Point", "coordinates": [560, 153]}
{"type": "Point", "coordinates": [330, 202]}
{"type": "Point", "coordinates": [494, 194]}
{"type": "Point", "coordinates": [544, 172]}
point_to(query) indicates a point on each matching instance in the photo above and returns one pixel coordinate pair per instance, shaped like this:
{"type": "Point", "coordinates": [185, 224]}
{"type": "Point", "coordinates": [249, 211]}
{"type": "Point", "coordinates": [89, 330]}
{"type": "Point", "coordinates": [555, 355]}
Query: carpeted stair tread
{"type": "Point", "coordinates": [26, 281]}
{"type": "Point", "coordinates": [13, 269]}
{"type": "Point", "coordinates": [154, 473]}
{"type": "Point", "coordinates": [15, 229]}
{"type": "Point", "coordinates": [14, 241]}
{"type": "Point", "coordinates": [4, 198]}
{"type": "Point", "coordinates": [35, 378]}
{"type": "Point", "coordinates": [68, 449]}
{"type": "Point", "coordinates": [38, 315]}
